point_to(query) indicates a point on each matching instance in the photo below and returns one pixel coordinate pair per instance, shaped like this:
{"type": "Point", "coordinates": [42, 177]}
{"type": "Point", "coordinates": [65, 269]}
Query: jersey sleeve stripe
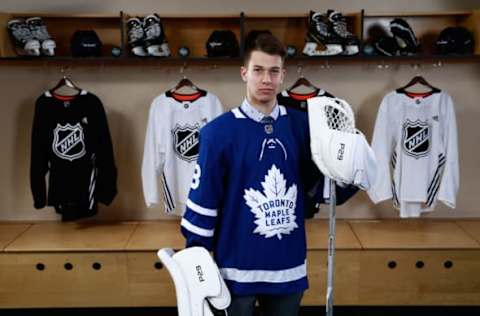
{"type": "Point", "coordinates": [195, 229]}
{"type": "Point", "coordinates": [436, 176]}
{"type": "Point", "coordinates": [168, 195]}
{"type": "Point", "coordinates": [271, 276]}
{"type": "Point", "coordinates": [201, 210]}
{"type": "Point", "coordinates": [283, 110]}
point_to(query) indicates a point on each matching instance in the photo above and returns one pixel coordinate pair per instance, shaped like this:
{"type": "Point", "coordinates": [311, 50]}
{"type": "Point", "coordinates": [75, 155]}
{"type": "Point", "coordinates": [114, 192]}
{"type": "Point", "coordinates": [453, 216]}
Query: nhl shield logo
{"type": "Point", "coordinates": [68, 141]}
{"type": "Point", "coordinates": [416, 138]}
{"type": "Point", "coordinates": [186, 141]}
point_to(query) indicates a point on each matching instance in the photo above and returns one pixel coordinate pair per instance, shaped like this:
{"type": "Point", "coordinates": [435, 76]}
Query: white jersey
{"type": "Point", "coordinates": [415, 142]}
{"type": "Point", "coordinates": [172, 146]}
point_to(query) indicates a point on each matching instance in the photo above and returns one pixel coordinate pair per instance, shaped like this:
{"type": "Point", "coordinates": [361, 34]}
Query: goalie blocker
{"type": "Point", "coordinates": [199, 287]}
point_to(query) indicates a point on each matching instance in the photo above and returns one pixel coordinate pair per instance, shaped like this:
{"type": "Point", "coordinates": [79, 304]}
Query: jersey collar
{"type": "Point", "coordinates": [255, 114]}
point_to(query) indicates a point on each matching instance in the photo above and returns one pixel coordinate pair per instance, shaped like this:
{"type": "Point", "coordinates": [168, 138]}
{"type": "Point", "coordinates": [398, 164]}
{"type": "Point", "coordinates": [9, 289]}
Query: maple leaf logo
{"type": "Point", "coordinates": [274, 209]}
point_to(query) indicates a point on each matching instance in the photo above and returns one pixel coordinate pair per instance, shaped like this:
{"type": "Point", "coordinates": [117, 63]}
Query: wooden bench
{"type": "Point", "coordinates": [384, 262]}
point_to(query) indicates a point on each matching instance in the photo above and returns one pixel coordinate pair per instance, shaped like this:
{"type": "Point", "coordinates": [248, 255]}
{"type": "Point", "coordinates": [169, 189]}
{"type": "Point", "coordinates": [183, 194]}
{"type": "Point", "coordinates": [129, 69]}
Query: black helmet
{"type": "Point", "coordinates": [222, 43]}
{"type": "Point", "coordinates": [86, 43]}
{"type": "Point", "coordinates": [455, 40]}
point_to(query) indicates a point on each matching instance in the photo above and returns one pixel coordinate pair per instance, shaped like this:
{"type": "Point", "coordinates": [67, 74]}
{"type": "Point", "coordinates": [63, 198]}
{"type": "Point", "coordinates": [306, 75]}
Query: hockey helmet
{"type": "Point", "coordinates": [86, 43]}
{"type": "Point", "coordinates": [455, 40]}
{"type": "Point", "coordinates": [222, 43]}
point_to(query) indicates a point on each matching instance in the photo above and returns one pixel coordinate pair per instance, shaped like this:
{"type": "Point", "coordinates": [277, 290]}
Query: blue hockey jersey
{"type": "Point", "coordinates": [246, 201]}
{"type": "Point", "coordinates": [246, 192]}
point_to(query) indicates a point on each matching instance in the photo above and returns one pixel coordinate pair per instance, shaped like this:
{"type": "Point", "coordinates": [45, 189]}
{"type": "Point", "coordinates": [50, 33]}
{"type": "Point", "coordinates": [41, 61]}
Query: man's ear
{"type": "Point", "coordinates": [243, 73]}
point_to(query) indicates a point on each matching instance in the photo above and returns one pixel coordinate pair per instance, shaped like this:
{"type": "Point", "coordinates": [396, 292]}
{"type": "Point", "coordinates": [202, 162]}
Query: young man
{"type": "Point", "coordinates": [246, 198]}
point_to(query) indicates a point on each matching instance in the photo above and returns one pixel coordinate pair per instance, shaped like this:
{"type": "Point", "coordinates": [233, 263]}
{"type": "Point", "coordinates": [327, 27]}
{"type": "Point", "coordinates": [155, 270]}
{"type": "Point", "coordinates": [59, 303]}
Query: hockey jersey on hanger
{"type": "Point", "coordinates": [172, 146]}
{"type": "Point", "coordinates": [415, 141]}
{"type": "Point", "coordinates": [298, 101]}
{"type": "Point", "coordinates": [71, 141]}
{"type": "Point", "coordinates": [317, 192]}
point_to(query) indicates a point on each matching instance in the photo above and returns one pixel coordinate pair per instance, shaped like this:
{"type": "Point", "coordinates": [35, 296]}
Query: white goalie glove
{"type": "Point", "coordinates": [340, 151]}
{"type": "Point", "coordinates": [200, 289]}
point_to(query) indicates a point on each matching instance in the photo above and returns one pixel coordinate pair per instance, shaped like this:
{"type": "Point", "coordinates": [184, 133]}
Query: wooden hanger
{"type": "Point", "coordinates": [65, 81]}
{"type": "Point", "coordinates": [185, 82]}
{"type": "Point", "coordinates": [415, 80]}
{"type": "Point", "coordinates": [302, 81]}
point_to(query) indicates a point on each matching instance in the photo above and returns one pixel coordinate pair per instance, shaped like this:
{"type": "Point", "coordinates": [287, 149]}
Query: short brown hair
{"type": "Point", "coordinates": [265, 42]}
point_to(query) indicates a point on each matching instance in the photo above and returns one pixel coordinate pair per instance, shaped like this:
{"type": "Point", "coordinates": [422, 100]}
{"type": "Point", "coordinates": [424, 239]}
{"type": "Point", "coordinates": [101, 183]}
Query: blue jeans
{"type": "Point", "coordinates": [270, 305]}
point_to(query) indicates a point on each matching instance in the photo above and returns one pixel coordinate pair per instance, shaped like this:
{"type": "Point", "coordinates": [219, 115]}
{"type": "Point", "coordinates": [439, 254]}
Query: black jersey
{"type": "Point", "coordinates": [298, 101]}
{"type": "Point", "coordinates": [71, 141]}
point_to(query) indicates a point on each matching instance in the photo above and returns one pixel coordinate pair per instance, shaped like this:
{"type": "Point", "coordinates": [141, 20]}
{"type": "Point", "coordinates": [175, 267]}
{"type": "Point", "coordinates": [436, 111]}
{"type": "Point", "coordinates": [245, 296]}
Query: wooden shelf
{"type": "Point", "coordinates": [61, 27]}
{"type": "Point", "coordinates": [426, 26]}
{"type": "Point", "coordinates": [298, 60]}
{"type": "Point", "coordinates": [10, 232]}
{"type": "Point", "coordinates": [412, 234]}
{"type": "Point", "coordinates": [73, 237]}
{"type": "Point", "coordinates": [193, 32]}
{"type": "Point", "coordinates": [156, 235]}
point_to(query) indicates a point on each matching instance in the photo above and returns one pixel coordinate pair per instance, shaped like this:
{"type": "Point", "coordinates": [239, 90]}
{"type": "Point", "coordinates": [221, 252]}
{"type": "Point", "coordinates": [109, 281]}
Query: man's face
{"type": "Point", "coordinates": [263, 74]}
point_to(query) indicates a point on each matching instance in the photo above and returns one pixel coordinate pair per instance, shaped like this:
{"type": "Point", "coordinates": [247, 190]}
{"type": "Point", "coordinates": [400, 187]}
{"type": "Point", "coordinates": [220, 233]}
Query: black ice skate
{"type": "Point", "coordinates": [40, 32]}
{"type": "Point", "coordinates": [23, 39]}
{"type": "Point", "coordinates": [339, 27]}
{"type": "Point", "coordinates": [405, 37]}
{"type": "Point", "coordinates": [386, 46]}
{"type": "Point", "coordinates": [320, 41]}
{"type": "Point", "coordinates": [136, 36]}
{"type": "Point", "coordinates": [155, 40]}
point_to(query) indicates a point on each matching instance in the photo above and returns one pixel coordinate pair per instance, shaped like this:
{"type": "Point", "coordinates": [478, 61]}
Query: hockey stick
{"type": "Point", "coordinates": [331, 248]}
{"type": "Point", "coordinates": [332, 125]}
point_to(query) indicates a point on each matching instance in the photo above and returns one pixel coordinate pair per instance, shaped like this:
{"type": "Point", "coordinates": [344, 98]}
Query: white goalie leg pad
{"type": "Point", "coordinates": [197, 279]}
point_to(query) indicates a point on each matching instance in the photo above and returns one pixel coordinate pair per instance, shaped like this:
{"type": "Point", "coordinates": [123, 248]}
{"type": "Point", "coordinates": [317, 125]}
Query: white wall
{"type": "Point", "coordinates": [128, 90]}
{"type": "Point", "coordinates": [175, 7]}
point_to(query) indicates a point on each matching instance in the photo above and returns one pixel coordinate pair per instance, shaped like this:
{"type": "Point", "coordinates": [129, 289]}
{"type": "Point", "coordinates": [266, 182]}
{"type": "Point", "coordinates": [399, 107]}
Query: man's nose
{"type": "Point", "coordinates": [266, 77]}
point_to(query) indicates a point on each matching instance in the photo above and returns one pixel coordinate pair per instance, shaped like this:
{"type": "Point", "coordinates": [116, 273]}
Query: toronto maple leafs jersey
{"type": "Point", "coordinates": [171, 146]}
{"type": "Point", "coordinates": [246, 203]}
{"type": "Point", "coordinates": [71, 141]}
{"type": "Point", "coordinates": [415, 141]}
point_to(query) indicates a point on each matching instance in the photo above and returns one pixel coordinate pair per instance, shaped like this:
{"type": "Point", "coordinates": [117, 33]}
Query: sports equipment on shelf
{"type": "Point", "coordinates": [350, 42]}
{"type": "Point", "coordinates": [155, 41]}
{"type": "Point", "coordinates": [320, 40]}
{"type": "Point", "coordinates": [136, 36]}
{"type": "Point", "coordinates": [22, 37]}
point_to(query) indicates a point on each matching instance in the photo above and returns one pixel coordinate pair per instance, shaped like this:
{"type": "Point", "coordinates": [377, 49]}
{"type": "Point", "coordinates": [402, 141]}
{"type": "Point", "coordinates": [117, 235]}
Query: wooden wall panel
{"type": "Point", "coordinates": [433, 284]}
{"type": "Point", "coordinates": [147, 285]}
{"type": "Point", "coordinates": [346, 278]}
{"type": "Point", "coordinates": [24, 286]}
